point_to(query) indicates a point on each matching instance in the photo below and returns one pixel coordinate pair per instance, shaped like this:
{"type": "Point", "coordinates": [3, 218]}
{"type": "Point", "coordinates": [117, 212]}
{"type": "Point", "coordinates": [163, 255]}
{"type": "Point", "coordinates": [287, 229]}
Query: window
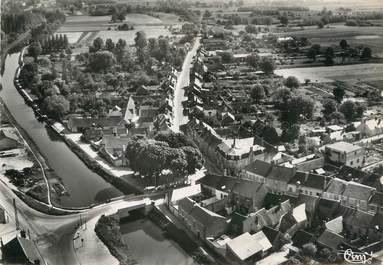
{"type": "Point", "coordinates": [352, 162]}
{"type": "Point", "coordinates": [357, 161]}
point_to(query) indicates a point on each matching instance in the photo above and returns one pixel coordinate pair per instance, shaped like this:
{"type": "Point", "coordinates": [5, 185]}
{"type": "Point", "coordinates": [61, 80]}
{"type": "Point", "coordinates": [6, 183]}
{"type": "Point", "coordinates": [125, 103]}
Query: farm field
{"type": "Point", "coordinates": [368, 36]}
{"type": "Point", "coordinates": [358, 72]}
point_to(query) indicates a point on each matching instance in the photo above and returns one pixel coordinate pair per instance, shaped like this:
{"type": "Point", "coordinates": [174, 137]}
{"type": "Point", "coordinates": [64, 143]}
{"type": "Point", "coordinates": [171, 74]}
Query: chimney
{"type": "Point", "coordinates": [233, 145]}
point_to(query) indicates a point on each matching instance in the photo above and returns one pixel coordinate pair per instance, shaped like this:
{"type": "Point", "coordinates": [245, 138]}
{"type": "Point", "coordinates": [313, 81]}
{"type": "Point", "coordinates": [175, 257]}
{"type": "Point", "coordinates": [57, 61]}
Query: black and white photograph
{"type": "Point", "coordinates": [191, 132]}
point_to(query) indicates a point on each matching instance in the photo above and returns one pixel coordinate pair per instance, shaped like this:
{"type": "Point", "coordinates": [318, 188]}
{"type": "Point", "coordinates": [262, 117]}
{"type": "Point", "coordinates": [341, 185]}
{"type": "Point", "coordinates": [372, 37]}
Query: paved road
{"type": "Point", "coordinates": [183, 81]}
{"type": "Point", "coordinates": [54, 234]}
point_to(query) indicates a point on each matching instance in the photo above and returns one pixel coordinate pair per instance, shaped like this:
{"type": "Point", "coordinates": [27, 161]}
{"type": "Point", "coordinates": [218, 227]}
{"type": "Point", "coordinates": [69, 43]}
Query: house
{"type": "Point", "coordinates": [357, 195]}
{"type": "Point", "coordinates": [21, 251]}
{"type": "Point", "coordinates": [3, 219]}
{"type": "Point", "coordinates": [308, 183]}
{"type": "Point", "coordinates": [293, 221]}
{"type": "Point", "coordinates": [360, 223]}
{"type": "Point", "coordinates": [371, 127]}
{"type": "Point", "coordinates": [247, 249]}
{"type": "Point", "coordinates": [130, 111]}
{"type": "Point", "coordinates": [345, 153]}
{"type": "Point", "coordinates": [109, 125]}
{"type": "Point", "coordinates": [92, 134]}
{"type": "Point", "coordinates": [376, 203]}
{"type": "Point", "coordinates": [301, 237]}
{"type": "Point", "coordinates": [329, 239]}
{"type": "Point", "coordinates": [113, 150]}
{"type": "Point", "coordinates": [202, 222]}
{"type": "Point", "coordinates": [162, 123]}
{"type": "Point", "coordinates": [227, 118]}
{"type": "Point", "coordinates": [274, 236]}
{"type": "Point", "coordinates": [335, 225]}
{"type": "Point", "coordinates": [335, 189]}
{"type": "Point", "coordinates": [8, 140]}
{"type": "Point", "coordinates": [116, 111]}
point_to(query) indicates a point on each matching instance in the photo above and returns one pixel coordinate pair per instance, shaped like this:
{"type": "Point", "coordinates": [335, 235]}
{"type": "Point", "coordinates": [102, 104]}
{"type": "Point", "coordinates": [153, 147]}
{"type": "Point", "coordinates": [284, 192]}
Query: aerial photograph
{"type": "Point", "coordinates": [191, 132]}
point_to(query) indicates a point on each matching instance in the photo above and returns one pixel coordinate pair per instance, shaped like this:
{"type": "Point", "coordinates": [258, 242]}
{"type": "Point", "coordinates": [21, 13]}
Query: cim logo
{"type": "Point", "coordinates": [357, 257]}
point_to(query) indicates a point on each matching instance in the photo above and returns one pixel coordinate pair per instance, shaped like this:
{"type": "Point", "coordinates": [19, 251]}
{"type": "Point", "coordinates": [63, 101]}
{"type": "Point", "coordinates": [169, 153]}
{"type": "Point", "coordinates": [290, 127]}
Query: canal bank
{"type": "Point", "coordinates": [84, 186]}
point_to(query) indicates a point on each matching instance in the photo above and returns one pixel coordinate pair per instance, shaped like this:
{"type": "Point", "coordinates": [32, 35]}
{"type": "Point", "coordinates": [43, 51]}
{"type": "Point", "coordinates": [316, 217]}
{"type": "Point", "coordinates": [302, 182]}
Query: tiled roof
{"type": "Point", "coordinates": [259, 168]}
{"type": "Point", "coordinates": [336, 186]}
{"type": "Point", "coordinates": [244, 247]}
{"type": "Point", "coordinates": [186, 204]}
{"type": "Point", "coordinates": [330, 239]}
{"type": "Point", "coordinates": [283, 174]}
{"type": "Point", "coordinates": [205, 216]}
{"type": "Point", "coordinates": [377, 198]}
{"type": "Point", "coordinates": [343, 147]}
{"type": "Point", "coordinates": [218, 182]}
{"type": "Point", "coordinates": [301, 238]}
{"type": "Point", "coordinates": [358, 191]}
{"type": "Point", "coordinates": [335, 225]}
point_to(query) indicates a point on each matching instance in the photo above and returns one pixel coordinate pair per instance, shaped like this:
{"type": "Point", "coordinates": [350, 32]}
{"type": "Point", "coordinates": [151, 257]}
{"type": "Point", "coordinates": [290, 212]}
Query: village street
{"type": "Point", "coordinates": [183, 81]}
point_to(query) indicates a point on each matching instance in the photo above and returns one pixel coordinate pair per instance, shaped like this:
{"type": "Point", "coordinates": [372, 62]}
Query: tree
{"type": "Point", "coordinates": [56, 106]}
{"type": "Point", "coordinates": [292, 82]}
{"type": "Point", "coordinates": [314, 51]}
{"type": "Point", "coordinates": [253, 60]}
{"type": "Point", "coordinates": [336, 117]}
{"type": "Point", "coordinates": [257, 93]}
{"type": "Point", "coordinates": [290, 133]}
{"type": "Point", "coordinates": [35, 49]}
{"type": "Point", "coordinates": [366, 54]}
{"type": "Point", "coordinates": [309, 250]}
{"type": "Point", "coordinates": [140, 40]}
{"type": "Point", "coordinates": [329, 107]}
{"type": "Point", "coordinates": [174, 140]}
{"type": "Point", "coordinates": [343, 44]}
{"type": "Point", "coordinates": [329, 56]}
{"type": "Point", "coordinates": [251, 29]}
{"type": "Point", "coordinates": [295, 108]}
{"type": "Point", "coordinates": [120, 50]}
{"type": "Point", "coordinates": [267, 65]}
{"type": "Point", "coordinates": [227, 57]}
{"type": "Point", "coordinates": [194, 159]}
{"type": "Point", "coordinates": [339, 93]}
{"type": "Point", "coordinates": [109, 45]}
{"type": "Point", "coordinates": [320, 24]}
{"type": "Point", "coordinates": [284, 20]}
{"type": "Point", "coordinates": [101, 61]}
{"type": "Point", "coordinates": [352, 110]}
{"type": "Point", "coordinates": [97, 44]}
{"type": "Point", "coordinates": [269, 134]}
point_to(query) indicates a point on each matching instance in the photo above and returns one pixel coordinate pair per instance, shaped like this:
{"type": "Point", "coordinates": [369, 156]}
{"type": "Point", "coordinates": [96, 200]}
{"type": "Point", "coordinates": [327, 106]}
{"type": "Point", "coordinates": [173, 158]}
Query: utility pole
{"type": "Point", "coordinates": [16, 216]}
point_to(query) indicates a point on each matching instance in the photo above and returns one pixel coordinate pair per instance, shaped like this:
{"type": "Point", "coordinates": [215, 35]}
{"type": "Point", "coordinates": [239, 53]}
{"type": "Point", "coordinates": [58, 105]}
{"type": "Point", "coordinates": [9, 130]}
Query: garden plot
{"type": "Point", "coordinates": [357, 72]}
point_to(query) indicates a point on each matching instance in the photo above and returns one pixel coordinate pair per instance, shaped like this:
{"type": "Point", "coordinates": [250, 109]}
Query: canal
{"type": "Point", "coordinates": [149, 246]}
{"type": "Point", "coordinates": [83, 185]}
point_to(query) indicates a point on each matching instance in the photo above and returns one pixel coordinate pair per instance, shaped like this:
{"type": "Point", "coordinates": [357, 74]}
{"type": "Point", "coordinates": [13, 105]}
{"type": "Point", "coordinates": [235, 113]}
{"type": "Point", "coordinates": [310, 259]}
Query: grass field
{"type": "Point", "coordinates": [358, 72]}
{"type": "Point", "coordinates": [368, 36]}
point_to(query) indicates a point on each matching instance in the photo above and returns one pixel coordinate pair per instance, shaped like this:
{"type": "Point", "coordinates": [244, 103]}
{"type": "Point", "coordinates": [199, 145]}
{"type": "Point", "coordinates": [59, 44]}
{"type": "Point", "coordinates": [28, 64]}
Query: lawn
{"type": "Point", "coordinates": [369, 36]}
{"type": "Point", "coordinates": [371, 72]}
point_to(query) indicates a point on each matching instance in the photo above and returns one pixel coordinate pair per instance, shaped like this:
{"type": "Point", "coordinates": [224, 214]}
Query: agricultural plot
{"type": "Point", "coordinates": [353, 73]}
{"type": "Point", "coordinates": [366, 36]}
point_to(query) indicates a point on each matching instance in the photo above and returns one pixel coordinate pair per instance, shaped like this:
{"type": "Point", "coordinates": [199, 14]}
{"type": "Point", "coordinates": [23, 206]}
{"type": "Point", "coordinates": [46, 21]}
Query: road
{"type": "Point", "coordinates": [54, 234]}
{"type": "Point", "coordinates": [183, 80]}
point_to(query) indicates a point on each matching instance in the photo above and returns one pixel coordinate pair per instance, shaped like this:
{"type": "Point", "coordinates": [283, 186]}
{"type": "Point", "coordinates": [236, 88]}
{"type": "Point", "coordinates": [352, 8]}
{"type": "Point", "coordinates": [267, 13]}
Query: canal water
{"type": "Point", "coordinates": [149, 246]}
{"type": "Point", "coordinates": [83, 185]}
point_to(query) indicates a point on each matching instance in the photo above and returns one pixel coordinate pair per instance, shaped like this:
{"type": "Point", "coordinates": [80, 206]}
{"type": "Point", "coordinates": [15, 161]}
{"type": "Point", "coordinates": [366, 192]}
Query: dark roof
{"type": "Point", "coordinates": [358, 191]}
{"type": "Point", "coordinates": [204, 216]}
{"type": "Point", "coordinates": [330, 239]}
{"type": "Point", "coordinates": [271, 233]}
{"type": "Point", "coordinates": [349, 173]}
{"type": "Point", "coordinates": [301, 238]}
{"type": "Point", "coordinates": [98, 122]}
{"type": "Point", "coordinates": [317, 181]}
{"type": "Point", "coordinates": [280, 173]}
{"type": "Point", "coordinates": [186, 204]}
{"type": "Point", "coordinates": [377, 198]}
{"type": "Point", "coordinates": [337, 186]}
{"type": "Point", "coordinates": [218, 182]}
{"type": "Point", "coordinates": [29, 249]}
{"type": "Point", "coordinates": [360, 218]}
{"type": "Point", "coordinates": [259, 167]}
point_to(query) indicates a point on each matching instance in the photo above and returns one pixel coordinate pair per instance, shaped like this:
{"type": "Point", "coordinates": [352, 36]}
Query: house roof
{"type": "Point", "coordinates": [343, 147]}
{"type": "Point", "coordinates": [283, 174]}
{"type": "Point", "coordinates": [148, 112]}
{"type": "Point", "coordinates": [218, 182]}
{"type": "Point", "coordinates": [205, 216]}
{"type": "Point", "coordinates": [7, 134]}
{"type": "Point", "coordinates": [260, 168]}
{"type": "Point", "coordinates": [377, 198]}
{"type": "Point", "coordinates": [98, 122]}
{"type": "Point", "coordinates": [271, 233]}
{"type": "Point", "coordinates": [336, 186]}
{"type": "Point", "coordinates": [330, 239]}
{"type": "Point", "coordinates": [241, 147]}
{"type": "Point", "coordinates": [29, 249]}
{"type": "Point", "coordinates": [301, 238]}
{"type": "Point", "coordinates": [261, 238]}
{"type": "Point", "coordinates": [186, 204]}
{"type": "Point", "coordinates": [361, 219]}
{"type": "Point", "coordinates": [335, 225]}
{"type": "Point", "coordinates": [358, 191]}
{"type": "Point", "coordinates": [244, 246]}
{"type": "Point", "coordinates": [112, 142]}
